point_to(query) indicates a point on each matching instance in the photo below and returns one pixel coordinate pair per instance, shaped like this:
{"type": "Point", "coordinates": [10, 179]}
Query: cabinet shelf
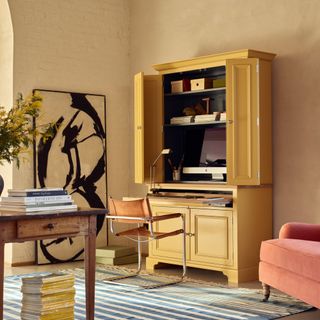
{"type": "Point", "coordinates": [209, 123]}
{"type": "Point", "coordinates": [195, 92]}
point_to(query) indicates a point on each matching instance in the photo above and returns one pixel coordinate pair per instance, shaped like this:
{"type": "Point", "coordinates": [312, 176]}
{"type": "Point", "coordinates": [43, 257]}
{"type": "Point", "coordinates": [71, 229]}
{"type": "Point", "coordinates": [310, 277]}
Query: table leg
{"type": "Point", "coordinates": [90, 266]}
{"type": "Point", "coordinates": [1, 277]}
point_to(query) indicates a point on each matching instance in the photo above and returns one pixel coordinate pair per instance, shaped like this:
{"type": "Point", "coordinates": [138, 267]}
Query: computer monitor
{"type": "Point", "coordinates": [205, 155]}
{"type": "Point", "coordinates": [213, 146]}
{"type": "Point", "coordinates": [203, 146]}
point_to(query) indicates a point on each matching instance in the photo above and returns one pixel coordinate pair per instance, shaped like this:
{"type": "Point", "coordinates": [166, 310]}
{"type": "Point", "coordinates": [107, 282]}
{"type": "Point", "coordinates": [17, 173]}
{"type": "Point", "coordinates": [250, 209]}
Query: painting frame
{"type": "Point", "coordinates": [78, 147]}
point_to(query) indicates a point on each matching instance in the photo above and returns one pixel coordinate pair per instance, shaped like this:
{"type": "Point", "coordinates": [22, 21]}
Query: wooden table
{"type": "Point", "coordinates": [20, 227]}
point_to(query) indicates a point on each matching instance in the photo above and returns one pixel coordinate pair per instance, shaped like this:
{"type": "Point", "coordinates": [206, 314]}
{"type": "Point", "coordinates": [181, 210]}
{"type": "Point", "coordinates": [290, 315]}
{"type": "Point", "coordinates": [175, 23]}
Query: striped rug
{"type": "Point", "coordinates": [187, 301]}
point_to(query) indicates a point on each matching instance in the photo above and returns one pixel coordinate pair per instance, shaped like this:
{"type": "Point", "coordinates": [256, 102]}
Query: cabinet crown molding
{"type": "Point", "coordinates": [212, 60]}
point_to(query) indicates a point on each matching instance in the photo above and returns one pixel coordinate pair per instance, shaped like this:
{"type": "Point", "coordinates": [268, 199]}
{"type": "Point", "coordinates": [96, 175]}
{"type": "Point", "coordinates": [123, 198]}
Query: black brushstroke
{"type": "Point", "coordinates": [53, 259]}
{"type": "Point", "coordinates": [70, 133]}
{"type": "Point", "coordinates": [44, 147]}
{"type": "Point", "coordinates": [84, 186]}
{"type": "Point", "coordinates": [79, 101]}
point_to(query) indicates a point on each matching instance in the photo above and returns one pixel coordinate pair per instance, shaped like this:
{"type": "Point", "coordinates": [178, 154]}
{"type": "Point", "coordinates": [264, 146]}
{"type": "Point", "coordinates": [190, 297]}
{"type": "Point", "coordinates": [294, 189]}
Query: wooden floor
{"type": "Point", "coordinates": [196, 274]}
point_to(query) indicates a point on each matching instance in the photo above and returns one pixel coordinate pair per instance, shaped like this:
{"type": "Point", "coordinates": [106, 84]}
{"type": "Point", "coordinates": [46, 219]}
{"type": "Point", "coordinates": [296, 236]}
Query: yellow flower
{"type": "Point", "coordinates": [17, 130]}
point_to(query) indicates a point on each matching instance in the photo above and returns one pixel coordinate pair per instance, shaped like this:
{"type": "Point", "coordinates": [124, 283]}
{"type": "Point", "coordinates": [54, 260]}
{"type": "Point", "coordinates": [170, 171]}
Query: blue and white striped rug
{"type": "Point", "coordinates": [187, 301]}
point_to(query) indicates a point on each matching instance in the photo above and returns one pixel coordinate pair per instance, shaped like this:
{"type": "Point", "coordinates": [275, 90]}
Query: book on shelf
{"type": "Point", "coordinates": [118, 260]}
{"type": "Point", "coordinates": [114, 251]}
{"type": "Point", "coordinates": [205, 118]}
{"type": "Point", "coordinates": [53, 207]}
{"type": "Point", "coordinates": [223, 116]}
{"type": "Point", "coordinates": [36, 192]}
{"type": "Point", "coordinates": [181, 120]}
{"type": "Point", "coordinates": [39, 199]}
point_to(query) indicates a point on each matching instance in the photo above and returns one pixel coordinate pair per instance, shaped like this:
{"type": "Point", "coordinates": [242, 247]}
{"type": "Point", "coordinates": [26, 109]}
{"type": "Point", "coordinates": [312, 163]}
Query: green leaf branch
{"type": "Point", "coordinates": [17, 129]}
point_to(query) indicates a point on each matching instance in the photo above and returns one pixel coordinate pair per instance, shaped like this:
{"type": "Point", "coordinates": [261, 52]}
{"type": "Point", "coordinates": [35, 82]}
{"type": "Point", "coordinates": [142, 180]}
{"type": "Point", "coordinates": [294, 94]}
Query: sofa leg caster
{"type": "Point", "coordinates": [266, 292]}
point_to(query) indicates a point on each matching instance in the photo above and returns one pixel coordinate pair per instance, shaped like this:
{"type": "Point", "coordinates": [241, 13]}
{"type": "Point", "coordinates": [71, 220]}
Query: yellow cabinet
{"type": "Point", "coordinates": [214, 114]}
{"type": "Point", "coordinates": [209, 235]}
{"type": "Point", "coordinates": [161, 117]}
{"type": "Point", "coordinates": [218, 238]}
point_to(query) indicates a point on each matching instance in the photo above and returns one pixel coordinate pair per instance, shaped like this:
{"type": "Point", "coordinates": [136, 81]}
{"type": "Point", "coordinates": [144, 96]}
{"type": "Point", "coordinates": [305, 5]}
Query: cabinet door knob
{"type": "Point", "coordinates": [50, 226]}
{"type": "Point", "coordinates": [230, 121]}
{"type": "Point", "coordinates": [139, 127]}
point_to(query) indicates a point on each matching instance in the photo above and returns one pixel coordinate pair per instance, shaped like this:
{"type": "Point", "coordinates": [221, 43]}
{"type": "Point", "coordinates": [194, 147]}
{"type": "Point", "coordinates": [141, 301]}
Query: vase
{"type": "Point", "coordinates": [1, 184]}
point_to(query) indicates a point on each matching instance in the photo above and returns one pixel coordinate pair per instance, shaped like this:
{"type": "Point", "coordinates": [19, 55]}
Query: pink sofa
{"type": "Point", "coordinates": [291, 263]}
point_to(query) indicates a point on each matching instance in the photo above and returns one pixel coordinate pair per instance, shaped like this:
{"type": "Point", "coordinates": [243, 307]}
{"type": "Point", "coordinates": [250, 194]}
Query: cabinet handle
{"type": "Point", "coordinates": [230, 121]}
{"type": "Point", "coordinates": [139, 127]}
{"type": "Point", "coordinates": [190, 234]}
{"type": "Point", "coordinates": [50, 226]}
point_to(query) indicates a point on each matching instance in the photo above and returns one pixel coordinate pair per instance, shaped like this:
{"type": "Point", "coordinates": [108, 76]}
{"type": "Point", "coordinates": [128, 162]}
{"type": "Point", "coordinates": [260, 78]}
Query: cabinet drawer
{"type": "Point", "coordinates": [47, 227]}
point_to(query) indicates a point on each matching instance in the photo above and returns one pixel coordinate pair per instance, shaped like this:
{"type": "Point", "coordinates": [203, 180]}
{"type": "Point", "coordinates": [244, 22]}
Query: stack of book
{"type": "Point", "coordinates": [115, 255]}
{"type": "Point", "coordinates": [218, 202]}
{"type": "Point", "coordinates": [181, 120]}
{"type": "Point", "coordinates": [205, 118]}
{"type": "Point", "coordinates": [48, 297]}
{"type": "Point", "coordinates": [223, 116]}
{"type": "Point", "coordinates": [34, 200]}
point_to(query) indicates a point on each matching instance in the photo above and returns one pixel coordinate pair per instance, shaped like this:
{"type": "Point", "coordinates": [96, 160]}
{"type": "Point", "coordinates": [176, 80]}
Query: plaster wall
{"type": "Point", "coordinates": [97, 47]}
{"type": "Point", "coordinates": [182, 29]}
{"type": "Point", "coordinates": [6, 86]}
{"type": "Point", "coordinates": [6, 54]}
{"type": "Point", "coordinates": [80, 46]}
{"type": "Point", "coordinates": [6, 71]}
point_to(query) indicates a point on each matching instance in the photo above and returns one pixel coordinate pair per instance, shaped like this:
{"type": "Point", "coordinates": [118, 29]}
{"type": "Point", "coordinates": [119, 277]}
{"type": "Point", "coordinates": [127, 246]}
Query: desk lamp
{"type": "Point", "coordinates": [152, 167]}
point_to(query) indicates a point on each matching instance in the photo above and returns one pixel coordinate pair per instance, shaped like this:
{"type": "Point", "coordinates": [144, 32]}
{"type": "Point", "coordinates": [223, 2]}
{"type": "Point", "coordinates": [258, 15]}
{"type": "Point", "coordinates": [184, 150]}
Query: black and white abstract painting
{"type": "Point", "coordinates": [73, 157]}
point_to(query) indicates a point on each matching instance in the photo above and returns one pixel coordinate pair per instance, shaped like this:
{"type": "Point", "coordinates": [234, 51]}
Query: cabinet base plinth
{"type": "Point", "coordinates": [152, 264]}
{"type": "Point", "coordinates": [243, 275]}
{"type": "Point", "coordinates": [233, 275]}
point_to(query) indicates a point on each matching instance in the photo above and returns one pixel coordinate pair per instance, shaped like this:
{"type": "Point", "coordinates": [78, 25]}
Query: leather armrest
{"type": "Point", "coordinates": [166, 216]}
{"type": "Point", "coordinates": [299, 230]}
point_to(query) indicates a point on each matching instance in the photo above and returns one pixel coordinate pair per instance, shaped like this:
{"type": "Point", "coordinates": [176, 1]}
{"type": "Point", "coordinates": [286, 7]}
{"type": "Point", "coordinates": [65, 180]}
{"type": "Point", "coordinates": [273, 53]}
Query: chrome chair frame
{"type": "Point", "coordinates": [150, 234]}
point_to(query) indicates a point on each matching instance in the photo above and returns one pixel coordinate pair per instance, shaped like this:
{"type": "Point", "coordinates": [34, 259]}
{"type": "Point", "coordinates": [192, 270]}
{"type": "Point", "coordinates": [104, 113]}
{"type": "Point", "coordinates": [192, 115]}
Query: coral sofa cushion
{"type": "Point", "coordinates": [299, 256]}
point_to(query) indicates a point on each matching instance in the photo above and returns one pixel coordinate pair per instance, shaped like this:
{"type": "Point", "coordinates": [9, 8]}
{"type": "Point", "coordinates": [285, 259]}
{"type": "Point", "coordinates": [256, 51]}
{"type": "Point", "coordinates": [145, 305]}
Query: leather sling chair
{"type": "Point", "coordinates": [138, 212]}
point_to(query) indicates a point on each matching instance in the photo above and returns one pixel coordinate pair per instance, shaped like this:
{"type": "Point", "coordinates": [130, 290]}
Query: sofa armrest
{"type": "Point", "coordinates": [299, 230]}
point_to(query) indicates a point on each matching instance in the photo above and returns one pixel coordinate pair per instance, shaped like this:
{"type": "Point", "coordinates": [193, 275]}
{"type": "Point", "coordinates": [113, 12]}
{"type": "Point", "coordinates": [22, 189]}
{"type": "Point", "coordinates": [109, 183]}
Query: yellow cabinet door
{"type": "Point", "coordinates": [148, 118]}
{"type": "Point", "coordinates": [211, 240]}
{"type": "Point", "coordinates": [242, 80]}
{"type": "Point", "coordinates": [170, 247]}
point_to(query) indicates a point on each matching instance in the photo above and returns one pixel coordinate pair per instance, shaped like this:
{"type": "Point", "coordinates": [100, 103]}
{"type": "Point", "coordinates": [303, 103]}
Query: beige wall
{"type": "Point", "coordinates": [6, 54]}
{"type": "Point", "coordinates": [167, 30]}
{"type": "Point", "coordinates": [6, 86]}
{"type": "Point", "coordinates": [6, 72]}
{"type": "Point", "coordinates": [97, 46]}
{"type": "Point", "coordinates": [81, 46]}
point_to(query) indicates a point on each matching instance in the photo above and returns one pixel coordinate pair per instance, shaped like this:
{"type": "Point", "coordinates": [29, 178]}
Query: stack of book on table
{"type": "Point", "coordinates": [35, 200]}
{"type": "Point", "coordinates": [48, 297]}
{"type": "Point", "coordinates": [115, 255]}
